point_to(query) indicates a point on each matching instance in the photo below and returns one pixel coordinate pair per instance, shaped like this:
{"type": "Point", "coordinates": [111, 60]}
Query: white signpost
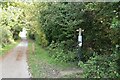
{"type": "Point", "coordinates": [79, 42]}
{"type": "Point", "coordinates": [80, 37]}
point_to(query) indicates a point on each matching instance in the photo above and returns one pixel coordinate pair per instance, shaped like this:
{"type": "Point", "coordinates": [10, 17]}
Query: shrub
{"type": "Point", "coordinates": [56, 51]}
{"type": "Point", "coordinates": [41, 39]}
{"type": "Point", "coordinates": [101, 66]}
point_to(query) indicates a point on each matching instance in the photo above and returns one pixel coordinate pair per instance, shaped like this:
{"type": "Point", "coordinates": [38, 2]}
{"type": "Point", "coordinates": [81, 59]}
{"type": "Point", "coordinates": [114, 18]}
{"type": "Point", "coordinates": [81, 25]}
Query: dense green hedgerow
{"type": "Point", "coordinates": [101, 66]}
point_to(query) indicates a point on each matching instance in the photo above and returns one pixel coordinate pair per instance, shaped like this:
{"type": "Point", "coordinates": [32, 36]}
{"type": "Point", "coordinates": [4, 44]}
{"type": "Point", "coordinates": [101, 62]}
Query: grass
{"type": "Point", "coordinates": [77, 75]}
{"type": "Point", "coordinates": [41, 55]}
{"type": "Point", "coordinates": [7, 48]}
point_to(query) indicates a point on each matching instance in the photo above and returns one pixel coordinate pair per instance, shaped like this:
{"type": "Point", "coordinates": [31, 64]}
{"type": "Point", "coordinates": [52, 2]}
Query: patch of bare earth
{"type": "Point", "coordinates": [49, 71]}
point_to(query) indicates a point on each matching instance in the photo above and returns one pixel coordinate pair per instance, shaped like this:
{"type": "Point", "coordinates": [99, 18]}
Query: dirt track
{"type": "Point", "coordinates": [14, 65]}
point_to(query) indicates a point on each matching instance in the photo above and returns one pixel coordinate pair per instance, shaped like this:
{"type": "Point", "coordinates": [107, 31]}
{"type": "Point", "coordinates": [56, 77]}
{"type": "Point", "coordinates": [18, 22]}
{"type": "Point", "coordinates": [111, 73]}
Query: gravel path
{"type": "Point", "coordinates": [14, 65]}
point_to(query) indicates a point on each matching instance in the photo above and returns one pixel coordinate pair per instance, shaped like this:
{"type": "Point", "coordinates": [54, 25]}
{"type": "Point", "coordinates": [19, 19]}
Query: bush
{"type": "Point", "coordinates": [5, 36]}
{"type": "Point", "coordinates": [56, 51]}
{"type": "Point", "coordinates": [41, 39]}
{"type": "Point", "coordinates": [101, 66]}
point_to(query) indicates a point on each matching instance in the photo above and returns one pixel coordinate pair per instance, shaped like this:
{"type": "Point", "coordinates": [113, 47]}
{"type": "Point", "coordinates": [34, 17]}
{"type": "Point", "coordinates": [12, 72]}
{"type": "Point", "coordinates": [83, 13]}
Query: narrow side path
{"type": "Point", "coordinates": [41, 65]}
{"type": "Point", "coordinates": [14, 65]}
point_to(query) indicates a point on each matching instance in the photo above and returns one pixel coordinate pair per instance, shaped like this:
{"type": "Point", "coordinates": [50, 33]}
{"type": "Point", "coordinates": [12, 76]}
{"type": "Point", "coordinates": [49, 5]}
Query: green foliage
{"type": "Point", "coordinates": [100, 22]}
{"type": "Point", "coordinates": [54, 24]}
{"type": "Point", "coordinates": [101, 66]}
{"type": "Point", "coordinates": [57, 52]}
{"type": "Point", "coordinates": [41, 39]}
{"type": "Point", "coordinates": [60, 21]}
{"type": "Point", "coordinates": [12, 21]}
{"type": "Point", "coordinates": [6, 35]}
